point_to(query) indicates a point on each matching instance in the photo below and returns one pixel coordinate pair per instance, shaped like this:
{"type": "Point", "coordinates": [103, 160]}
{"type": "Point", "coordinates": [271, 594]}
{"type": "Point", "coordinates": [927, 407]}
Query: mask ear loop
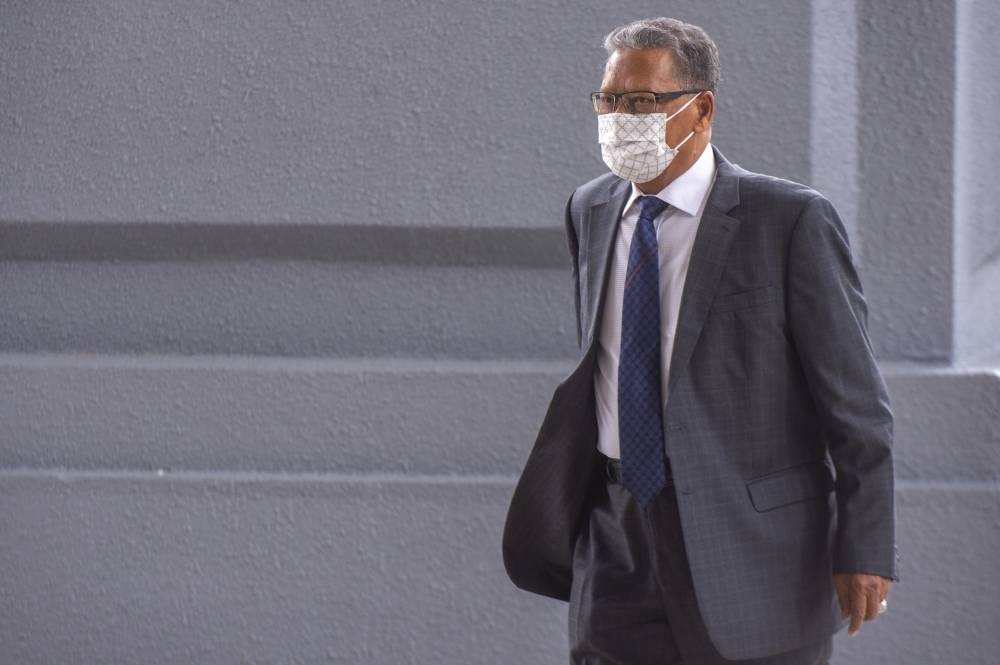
{"type": "Point", "coordinates": [678, 146]}
{"type": "Point", "coordinates": [672, 115]}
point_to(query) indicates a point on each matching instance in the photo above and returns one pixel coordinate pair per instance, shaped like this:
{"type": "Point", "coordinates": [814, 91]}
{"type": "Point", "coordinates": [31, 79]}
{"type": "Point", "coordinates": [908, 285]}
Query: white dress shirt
{"type": "Point", "coordinates": [675, 231]}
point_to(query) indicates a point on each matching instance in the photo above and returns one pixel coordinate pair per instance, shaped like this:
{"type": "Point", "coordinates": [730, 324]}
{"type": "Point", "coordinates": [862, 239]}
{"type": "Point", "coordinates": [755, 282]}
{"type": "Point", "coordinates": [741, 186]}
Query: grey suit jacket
{"type": "Point", "coordinates": [778, 424]}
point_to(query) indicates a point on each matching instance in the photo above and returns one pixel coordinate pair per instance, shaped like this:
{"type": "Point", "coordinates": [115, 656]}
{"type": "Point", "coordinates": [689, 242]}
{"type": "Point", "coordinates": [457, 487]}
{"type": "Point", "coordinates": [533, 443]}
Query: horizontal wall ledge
{"type": "Point", "coordinates": [329, 416]}
{"type": "Point", "coordinates": [947, 421]}
{"type": "Point", "coordinates": [182, 241]}
{"type": "Point", "coordinates": [234, 478]}
{"type": "Point", "coordinates": [287, 308]}
{"type": "Point", "coordinates": [381, 415]}
{"type": "Point", "coordinates": [381, 364]}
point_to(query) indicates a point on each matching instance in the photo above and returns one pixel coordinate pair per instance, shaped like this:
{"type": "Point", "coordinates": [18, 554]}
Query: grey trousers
{"type": "Point", "coordinates": [632, 600]}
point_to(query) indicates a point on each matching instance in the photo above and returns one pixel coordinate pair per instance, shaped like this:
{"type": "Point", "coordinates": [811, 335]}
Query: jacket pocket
{"type": "Point", "coordinates": [798, 483]}
{"type": "Point", "coordinates": [728, 302]}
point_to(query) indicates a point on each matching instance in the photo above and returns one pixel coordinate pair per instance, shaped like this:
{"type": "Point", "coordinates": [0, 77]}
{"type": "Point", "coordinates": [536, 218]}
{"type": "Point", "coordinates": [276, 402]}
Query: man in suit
{"type": "Point", "coordinates": [713, 483]}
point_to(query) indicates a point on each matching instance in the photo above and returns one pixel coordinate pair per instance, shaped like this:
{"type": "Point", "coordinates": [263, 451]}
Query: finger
{"type": "Point", "coordinates": [858, 607]}
{"type": "Point", "coordinates": [872, 601]}
{"type": "Point", "coordinates": [883, 592]}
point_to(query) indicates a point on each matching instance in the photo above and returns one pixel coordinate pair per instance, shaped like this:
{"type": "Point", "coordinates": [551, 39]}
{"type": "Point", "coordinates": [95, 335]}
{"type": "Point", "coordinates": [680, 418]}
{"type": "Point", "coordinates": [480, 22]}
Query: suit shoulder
{"type": "Point", "coordinates": [788, 205]}
{"type": "Point", "coordinates": [762, 191]}
{"type": "Point", "coordinates": [596, 186]}
{"type": "Point", "coordinates": [591, 191]}
{"type": "Point", "coordinates": [769, 200]}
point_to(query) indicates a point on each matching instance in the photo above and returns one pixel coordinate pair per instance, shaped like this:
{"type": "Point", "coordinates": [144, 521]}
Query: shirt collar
{"type": "Point", "coordinates": [688, 191]}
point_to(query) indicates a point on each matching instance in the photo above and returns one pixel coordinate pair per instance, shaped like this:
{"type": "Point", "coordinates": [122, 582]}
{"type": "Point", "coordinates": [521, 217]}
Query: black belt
{"type": "Point", "coordinates": [613, 469]}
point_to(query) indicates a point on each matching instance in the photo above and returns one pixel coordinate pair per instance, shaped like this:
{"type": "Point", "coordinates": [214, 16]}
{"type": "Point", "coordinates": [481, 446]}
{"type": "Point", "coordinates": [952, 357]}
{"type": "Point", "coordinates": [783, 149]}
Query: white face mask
{"type": "Point", "coordinates": [634, 146]}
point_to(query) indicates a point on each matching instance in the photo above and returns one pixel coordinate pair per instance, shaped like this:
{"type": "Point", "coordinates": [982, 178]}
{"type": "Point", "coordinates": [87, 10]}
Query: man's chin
{"type": "Point", "coordinates": [648, 186]}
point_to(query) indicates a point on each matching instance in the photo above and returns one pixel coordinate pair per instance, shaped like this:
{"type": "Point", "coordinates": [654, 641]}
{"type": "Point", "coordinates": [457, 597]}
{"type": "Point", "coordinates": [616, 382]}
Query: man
{"type": "Point", "coordinates": [713, 482]}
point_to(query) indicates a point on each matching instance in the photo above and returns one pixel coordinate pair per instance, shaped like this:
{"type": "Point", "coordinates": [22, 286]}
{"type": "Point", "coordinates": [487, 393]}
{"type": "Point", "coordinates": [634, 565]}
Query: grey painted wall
{"type": "Point", "coordinates": [285, 294]}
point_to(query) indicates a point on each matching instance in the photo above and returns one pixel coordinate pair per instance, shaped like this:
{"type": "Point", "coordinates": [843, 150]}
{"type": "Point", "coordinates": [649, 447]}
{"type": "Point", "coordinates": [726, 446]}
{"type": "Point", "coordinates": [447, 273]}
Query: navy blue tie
{"type": "Point", "coordinates": [640, 416]}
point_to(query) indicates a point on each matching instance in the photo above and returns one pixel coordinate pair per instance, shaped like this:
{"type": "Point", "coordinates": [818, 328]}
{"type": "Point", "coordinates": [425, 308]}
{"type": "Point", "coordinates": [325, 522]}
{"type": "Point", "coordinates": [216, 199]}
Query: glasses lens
{"type": "Point", "coordinates": [639, 102]}
{"type": "Point", "coordinates": [603, 103]}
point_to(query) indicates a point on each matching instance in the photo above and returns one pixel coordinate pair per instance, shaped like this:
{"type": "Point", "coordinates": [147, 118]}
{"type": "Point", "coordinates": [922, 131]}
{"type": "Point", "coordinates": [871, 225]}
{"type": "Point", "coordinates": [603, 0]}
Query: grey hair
{"type": "Point", "coordinates": [696, 57]}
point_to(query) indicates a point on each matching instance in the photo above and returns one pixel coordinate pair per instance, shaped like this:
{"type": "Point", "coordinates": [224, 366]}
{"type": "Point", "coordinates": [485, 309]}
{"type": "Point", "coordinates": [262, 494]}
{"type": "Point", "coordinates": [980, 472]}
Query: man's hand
{"type": "Point", "coordinates": [860, 596]}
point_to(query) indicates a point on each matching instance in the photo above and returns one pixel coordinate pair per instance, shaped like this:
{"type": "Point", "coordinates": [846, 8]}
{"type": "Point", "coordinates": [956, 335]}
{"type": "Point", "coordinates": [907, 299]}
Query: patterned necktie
{"type": "Point", "coordinates": [640, 417]}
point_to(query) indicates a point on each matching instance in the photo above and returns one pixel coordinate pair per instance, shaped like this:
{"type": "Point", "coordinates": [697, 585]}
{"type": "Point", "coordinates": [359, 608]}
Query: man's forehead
{"type": "Point", "coordinates": [639, 64]}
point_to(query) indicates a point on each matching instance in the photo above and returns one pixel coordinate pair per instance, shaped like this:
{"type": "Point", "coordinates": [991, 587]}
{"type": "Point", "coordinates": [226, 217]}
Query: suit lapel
{"type": "Point", "coordinates": [601, 227]}
{"type": "Point", "coordinates": [712, 243]}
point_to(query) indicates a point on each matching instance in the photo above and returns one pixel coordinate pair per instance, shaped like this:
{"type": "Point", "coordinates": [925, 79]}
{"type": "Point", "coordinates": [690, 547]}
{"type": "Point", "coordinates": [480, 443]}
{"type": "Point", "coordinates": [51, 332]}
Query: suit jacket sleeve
{"type": "Point", "coordinates": [827, 318]}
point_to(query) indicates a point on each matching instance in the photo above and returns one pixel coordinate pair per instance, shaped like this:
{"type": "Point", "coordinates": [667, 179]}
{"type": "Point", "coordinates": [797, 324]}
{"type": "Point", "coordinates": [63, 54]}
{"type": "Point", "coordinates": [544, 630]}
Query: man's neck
{"type": "Point", "coordinates": [681, 163]}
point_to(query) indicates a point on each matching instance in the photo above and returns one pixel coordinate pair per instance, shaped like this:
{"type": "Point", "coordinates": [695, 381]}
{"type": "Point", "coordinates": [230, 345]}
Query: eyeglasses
{"type": "Point", "coordinates": [634, 102]}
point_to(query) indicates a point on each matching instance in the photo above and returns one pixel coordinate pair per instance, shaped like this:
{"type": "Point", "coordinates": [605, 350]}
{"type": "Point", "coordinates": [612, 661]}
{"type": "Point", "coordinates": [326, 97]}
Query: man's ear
{"type": "Point", "coordinates": [705, 104]}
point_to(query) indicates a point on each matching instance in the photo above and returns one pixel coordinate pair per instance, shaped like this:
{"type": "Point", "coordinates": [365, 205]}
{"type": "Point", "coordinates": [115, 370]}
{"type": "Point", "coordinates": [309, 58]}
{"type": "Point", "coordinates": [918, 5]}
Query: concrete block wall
{"type": "Point", "coordinates": [286, 292]}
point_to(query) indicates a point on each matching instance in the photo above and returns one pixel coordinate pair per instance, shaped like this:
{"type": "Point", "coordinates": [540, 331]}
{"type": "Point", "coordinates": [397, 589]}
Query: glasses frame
{"type": "Point", "coordinates": [658, 97]}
